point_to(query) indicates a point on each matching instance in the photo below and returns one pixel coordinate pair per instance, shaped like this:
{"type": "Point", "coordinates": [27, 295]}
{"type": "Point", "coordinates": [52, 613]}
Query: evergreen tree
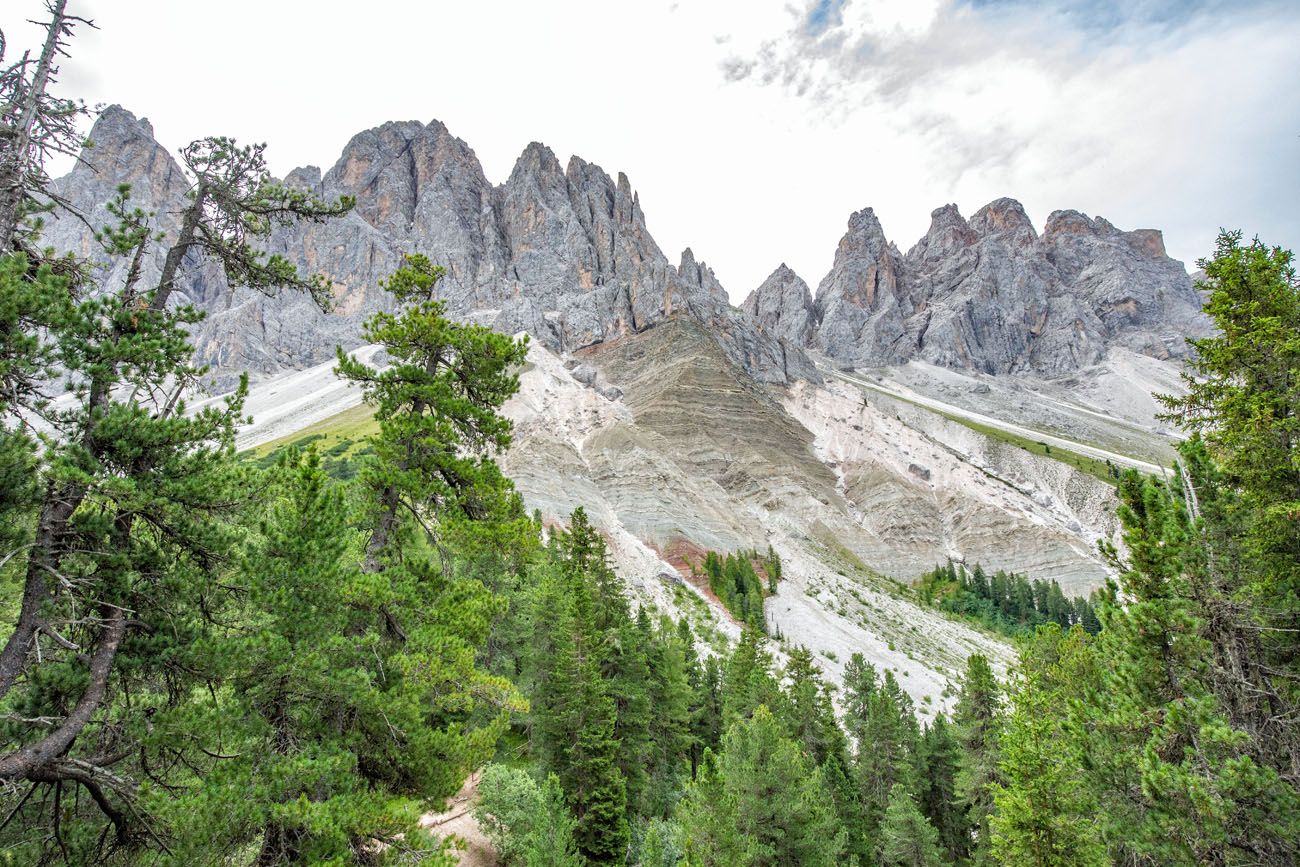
{"type": "Point", "coordinates": [977, 721]}
{"type": "Point", "coordinates": [669, 730]}
{"type": "Point", "coordinates": [906, 838]}
{"type": "Point", "coordinates": [1045, 812]}
{"type": "Point", "coordinates": [34, 127]}
{"type": "Point", "coordinates": [343, 746]}
{"type": "Point", "coordinates": [529, 825]}
{"type": "Point", "coordinates": [132, 525]}
{"type": "Point", "coordinates": [937, 795]}
{"type": "Point", "coordinates": [575, 715]}
{"type": "Point", "coordinates": [706, 718]}
{"type": "Point", "coordinates": [1241, 486]}
{"type": "Point", "coordinates": [887, 750]}
{"type": "Point", "coordinates": [848, 806]}
{"type": "Point", "coordinates": [764, 803]}
{"type": "Point", "coordinates": [808, 712]}
{"type": "Point", "coordinates": [748, 682]}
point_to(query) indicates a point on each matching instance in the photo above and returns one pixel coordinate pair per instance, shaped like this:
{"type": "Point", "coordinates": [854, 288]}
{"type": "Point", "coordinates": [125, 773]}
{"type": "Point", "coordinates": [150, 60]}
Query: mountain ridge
{"type": "Point", "coordinates": [989, 294]}
{"type": "Point", "coordinates": [564, 253]}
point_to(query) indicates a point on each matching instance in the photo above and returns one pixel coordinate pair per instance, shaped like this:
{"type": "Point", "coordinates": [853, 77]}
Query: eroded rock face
{"type": "Point", "coordinates": [564, 253]}
{"type": "Point", "coordinates": [993, 295]}
{"type": "Point", "coordinates": [783, 307]}
{"type": "Point", "coordinates": [560, 252]}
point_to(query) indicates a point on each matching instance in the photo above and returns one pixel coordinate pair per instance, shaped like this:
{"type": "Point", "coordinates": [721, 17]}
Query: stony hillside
{"type": "Point", "coordinates": [675, 451]}
{"type": "Point", "coordinates": [967, 400]}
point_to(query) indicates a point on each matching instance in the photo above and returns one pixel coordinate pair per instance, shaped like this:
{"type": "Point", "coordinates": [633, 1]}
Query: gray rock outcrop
{"type": "Point", "coordinates": [560, 252]}
{"type": "Point", "coordinates": [564, 253]}
{"type": "Point", "coordinates": [991, 294]}
{"type": "Point", "coordinates": [783, 307]}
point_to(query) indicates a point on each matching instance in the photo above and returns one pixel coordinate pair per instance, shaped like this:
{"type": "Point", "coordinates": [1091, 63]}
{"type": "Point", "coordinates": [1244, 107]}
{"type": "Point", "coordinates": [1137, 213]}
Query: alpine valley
{"type": "Point", "coordinates": [969, 400]}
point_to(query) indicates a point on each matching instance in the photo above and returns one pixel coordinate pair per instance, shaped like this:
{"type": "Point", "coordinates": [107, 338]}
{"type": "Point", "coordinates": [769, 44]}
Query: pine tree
{"type": "Point", "coordinates": [906, 838]}
{"type": "Point", "coordinates": [342, 746]}
{"type": "Point", "coordinates": [886, 749]}
{"type": "Point", "coordinates": [808, 713]}
{"type": "Point", "coordinates": [669, 728]}
{"type": "Point", "coordinates": [848, 806]}
{"type": "Point", "coordinates": [978, 721]}
{"type": "Point", "coordinates": [1044, 811]}
{"type": "Point", "coordinates": [576, 716]}
{"type": "Point", "coordinates": [1241, 485]}
{"type": "Point", "coordinates": [937, 795]}
{"type": "Point", "coordinates": [529, 825]}
{"type": "Point", "coordinates": [34, 127]}
{"type": "Point", "coordinates": [748, 682]}
{"type": "Point", "coordinates": [764, 803]}
{"type": "Point", "coordinates": [134, 519]}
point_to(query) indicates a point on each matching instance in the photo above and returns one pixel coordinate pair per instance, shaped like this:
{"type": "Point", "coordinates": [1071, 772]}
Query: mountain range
{"type": "Point", "coordinates": [967, 400]}
{"type": "Point", "coordinates": [564, 253]}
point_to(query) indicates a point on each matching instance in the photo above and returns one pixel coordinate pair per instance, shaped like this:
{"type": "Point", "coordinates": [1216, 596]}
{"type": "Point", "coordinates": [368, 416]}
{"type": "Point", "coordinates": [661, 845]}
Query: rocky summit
{"type": "Point", "coordinates": [990, 295]}
{"type": "Point", "coordinates": [564, 253]}
{"type": "Point", "coordinates": [561, 252]}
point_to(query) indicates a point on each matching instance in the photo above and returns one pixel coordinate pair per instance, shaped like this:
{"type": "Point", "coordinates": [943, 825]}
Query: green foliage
{"type": "Point", "coordinates": [664, 844]}
{"type": "Point", "coordinates": [807, 711]}
{"type": "Point", "coordinates": [978, 723]}
{"type": "Point", "coordinates": [529, 825]}
{"type": "Point", "coordinates": [1243, 396]}
{"type": "Point", "coordinates": [344, 736]}
{"type": "Point", "coordinates": [234, 203]}
{"type": "Point", "coordinates": [762, 802]}
{"type": "Point", "coordinates": [939, 757]}
{"type": "Point", "coordinates": [881, 720]}
{"type": "Point", "coordinates": [436, 407]}
{"type": "Point", "coordinates": [735, 582]}
{"type": "Point", "coordinates": [748, 682]}
{"type": "Point", "coordinates": [1008, 603]}
{"type": "Point", "coordinates": [575, 712]}
{"type": "Point", "coordinates": [907, 839]}
{"type": "Point", "coordinates": [1045, 810]}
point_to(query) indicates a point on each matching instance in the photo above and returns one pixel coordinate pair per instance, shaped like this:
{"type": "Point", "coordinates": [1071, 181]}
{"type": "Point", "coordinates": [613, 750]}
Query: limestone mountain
{"type": "Point", "coordinates": [990, 294]}
{"type": "Point", "coordinates": [684, 424]}
{"type": "Point", "coordinates": [560, 252]}
{"type": "Point", "coordinates": [784, 307]}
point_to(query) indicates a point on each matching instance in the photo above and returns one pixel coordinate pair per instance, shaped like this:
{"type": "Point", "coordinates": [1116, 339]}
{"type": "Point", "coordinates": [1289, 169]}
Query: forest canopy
{"type": "Point", "coordinates": [209, 659]}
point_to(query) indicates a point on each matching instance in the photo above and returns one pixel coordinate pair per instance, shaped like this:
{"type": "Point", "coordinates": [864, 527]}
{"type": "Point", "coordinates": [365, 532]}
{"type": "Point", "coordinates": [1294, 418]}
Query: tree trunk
{"type": "Point", "coordinates": [172, 264]}
{"type": "Point", "coordinates": [13, 162]}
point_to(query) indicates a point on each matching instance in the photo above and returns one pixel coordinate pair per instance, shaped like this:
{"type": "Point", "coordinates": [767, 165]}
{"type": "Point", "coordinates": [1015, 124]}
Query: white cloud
{"type": "Point", "coordinates": [750, 135]}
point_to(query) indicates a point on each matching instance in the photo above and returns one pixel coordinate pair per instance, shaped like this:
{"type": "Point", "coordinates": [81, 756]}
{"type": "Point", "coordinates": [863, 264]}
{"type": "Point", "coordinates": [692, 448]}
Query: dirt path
{"type": "Point", "coordinates": [458, 821]}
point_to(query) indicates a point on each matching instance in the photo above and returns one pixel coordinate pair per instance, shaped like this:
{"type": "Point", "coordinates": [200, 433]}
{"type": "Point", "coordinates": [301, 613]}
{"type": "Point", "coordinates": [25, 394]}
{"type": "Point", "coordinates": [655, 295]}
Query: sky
{"type": "Point", "coordinates": [752, 129]}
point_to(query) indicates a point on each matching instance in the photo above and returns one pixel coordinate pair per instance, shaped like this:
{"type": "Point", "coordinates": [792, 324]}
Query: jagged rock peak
{"type": "Point", "coordinates": [865, 224]}
{"type": "Point", "coordinates": [948, 233]}
{"type": "Point", "coordinates": [1069, 222]}
{"type": "Point", "coordinates": [1004, 217]}
{"type": "Point", "coordinates": [537, 159]}
{"type": "Point", "coordinates": [699, 274]}
{"type": "Point", "coordinates": [993, 295]}
{"type": "Point", "coordinates": [783, 307]}
{"type": "Point", "coordinates": [304, 178]}
{"type": "Point", "coordinates": [114, 122]}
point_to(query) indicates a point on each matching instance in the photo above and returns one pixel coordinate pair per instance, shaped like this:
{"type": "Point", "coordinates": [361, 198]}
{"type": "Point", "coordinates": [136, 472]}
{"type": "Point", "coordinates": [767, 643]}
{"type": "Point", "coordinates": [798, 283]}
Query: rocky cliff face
{"type": "Point", "coordinates": [783, 307]}
{"type": "Point", "coordinates": [990, 294]}
{"type": "Point", "coordinates": [561, 252]}
{"type": "Point", "coordinates": [564, 253]}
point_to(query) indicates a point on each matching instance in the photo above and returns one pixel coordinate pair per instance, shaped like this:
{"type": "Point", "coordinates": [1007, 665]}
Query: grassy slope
{"type": "Point", "coordinates": [339, 439]}
{"type": "Point", "coordinates": [350, 426]}
{"type": "Point", "coordinates": [1095, 467]}
{"type": "Point", "coordinates": [1092, 466]}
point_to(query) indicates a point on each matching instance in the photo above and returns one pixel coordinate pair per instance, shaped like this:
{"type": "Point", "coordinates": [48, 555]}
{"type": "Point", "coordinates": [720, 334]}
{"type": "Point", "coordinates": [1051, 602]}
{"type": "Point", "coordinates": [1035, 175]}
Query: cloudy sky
{"type": "Point", "coordinates": [751, 128]}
